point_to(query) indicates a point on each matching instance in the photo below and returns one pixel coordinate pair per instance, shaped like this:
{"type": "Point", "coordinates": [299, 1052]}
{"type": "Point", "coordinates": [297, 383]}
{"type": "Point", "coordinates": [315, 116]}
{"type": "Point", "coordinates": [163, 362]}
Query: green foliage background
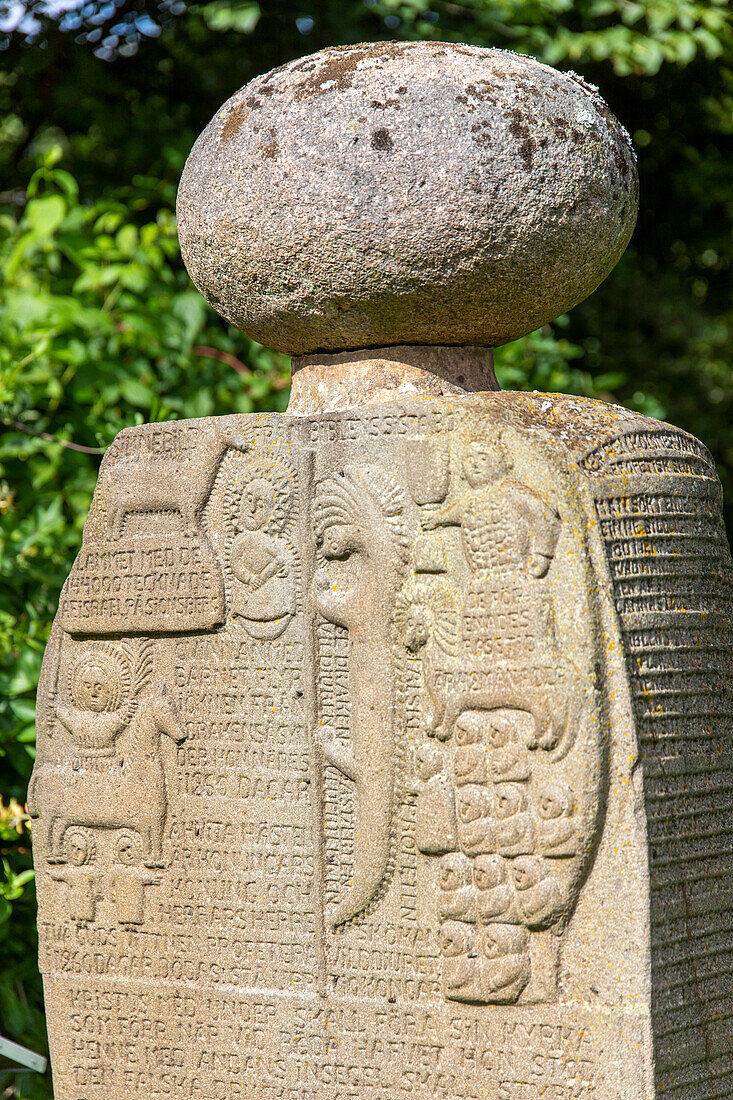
{"type": "Point", "coordinates": [101, 328]}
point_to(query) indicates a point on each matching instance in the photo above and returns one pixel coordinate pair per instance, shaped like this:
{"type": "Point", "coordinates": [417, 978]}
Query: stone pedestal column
{"type": "Point", "coordinates": [385, 745]}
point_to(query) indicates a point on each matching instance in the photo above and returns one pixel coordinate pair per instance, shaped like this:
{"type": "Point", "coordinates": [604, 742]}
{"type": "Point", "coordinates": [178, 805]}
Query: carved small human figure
{"type": "Point", "coordinates": [508, 731]}
{"type": "Point", "coordinates": [538, 893]}
{"type": "Point", "coordinates": [469, 727]}
{"type": "Point", "coordinates": [129, 879]}
{"type": "Point", "coordinates": [461, 972]}
{"type": "Point", "coordinates": [80, 876]}
{"type": "Point", "coordinates": [504, 524]}
{"type": "Point", "coordinates": [557, 834]}
{"type": "Point", "coordinates": [263, 592]}
{"type": "Point", "coordinates": [504, 961]}
{"type": "Point", "coordinates": [435, 810]}
{"type": "Point", "coordinates": [495, 895]}
{"type": "Point", "coordinates": [470, 764]}
{"type": "Point", "coordinates": [515, 827]}
{"type": "Point", "coordinates": [456, 897]}
{"type": "Point", "coordinates": [95, 716]}
{"type": "Point", "coordinates": [476, 829]}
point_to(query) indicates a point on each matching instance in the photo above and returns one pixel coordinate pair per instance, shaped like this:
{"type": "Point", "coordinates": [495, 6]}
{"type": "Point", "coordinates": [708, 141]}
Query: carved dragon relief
{"type": "Point", "coordinates": [363, 553]}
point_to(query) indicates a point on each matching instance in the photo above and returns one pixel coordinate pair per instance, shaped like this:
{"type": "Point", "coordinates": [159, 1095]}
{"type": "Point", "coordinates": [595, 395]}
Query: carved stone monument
{"type": "Point", "coordinates": [385, 745]}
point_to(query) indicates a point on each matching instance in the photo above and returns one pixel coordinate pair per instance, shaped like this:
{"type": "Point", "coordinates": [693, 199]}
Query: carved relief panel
{"type": "Point", "coordinates": [339, 824]}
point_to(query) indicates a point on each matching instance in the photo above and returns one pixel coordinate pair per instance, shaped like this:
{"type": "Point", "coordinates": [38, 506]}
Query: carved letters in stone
{"type": "Point", "coordinates": [147, 563]}
{"type": "Point", "coordinates": [359, 830]}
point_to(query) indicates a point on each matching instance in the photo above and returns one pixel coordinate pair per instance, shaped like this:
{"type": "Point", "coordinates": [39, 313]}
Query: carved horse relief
{"type": "Point", "coordinates": [363, 551]}
{"type": "Point", "coordinates": [123, 784]}
{"type": "Point", "coordinates": [136, 484]}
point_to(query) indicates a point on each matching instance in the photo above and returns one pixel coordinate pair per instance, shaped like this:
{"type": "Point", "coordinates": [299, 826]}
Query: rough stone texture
{"type": "Point", "coordinates": [324, 383]}
{"type": "Point", "coordinates": [405, 193]}
{"type": "Point", "coordinates": [425, 788]}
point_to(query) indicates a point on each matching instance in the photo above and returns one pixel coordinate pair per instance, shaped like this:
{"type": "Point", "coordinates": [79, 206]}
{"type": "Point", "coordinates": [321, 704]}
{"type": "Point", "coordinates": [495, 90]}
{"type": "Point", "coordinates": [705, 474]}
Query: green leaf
{"type": "Point", "coordinates": [137, 393]}
{"type": "Point", "coordinates": [45, 215]}
{"type": "Point", "coordinates": [224, 15]}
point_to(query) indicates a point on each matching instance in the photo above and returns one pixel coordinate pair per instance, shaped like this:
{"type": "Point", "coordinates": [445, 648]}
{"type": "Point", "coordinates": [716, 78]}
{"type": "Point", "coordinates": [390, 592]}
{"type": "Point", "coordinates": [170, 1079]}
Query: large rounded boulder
{"type": "Point", "coordinates": [405, 193]}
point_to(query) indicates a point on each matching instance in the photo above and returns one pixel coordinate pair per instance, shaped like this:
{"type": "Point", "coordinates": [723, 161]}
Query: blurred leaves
{"type": "Point", "coordinates": [222, 15]}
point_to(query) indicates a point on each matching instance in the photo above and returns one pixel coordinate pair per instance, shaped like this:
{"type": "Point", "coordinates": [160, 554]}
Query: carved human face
{"type": "Point", "coordinates": [429, 762]}
{"type": "Point", "coordinates": [500, 734]}
{"type": "Point", "coordinates": [470, 759]}
{"type": "Point", "coordinates": [94, 688]}
{"type": "Point", "coordinates": [78, 848]}
{"type": "Point", "coordinates": [527, 871]}
{"type": "Point", "coordinates": [510, 800]}
{"type": "Point", "coordinates": [473, 802]}
{"type": "Point", "coordinates": [257, 504]}
{"type": "Point", "coordinates": [488, 872]}
{"type": "Point", "coordinates": [555, 801]}
{"type": "Point", "coordinates": [129, 850]}
{"type": "Point", "coordinates": [455, 939]}
{"type": "Point", "coordinates": [504, 939]}
{"type": "Point", "coordinates": [455, 871]}
{"type": "Point", "coordinates": [338, 581]}
{"type": "Point", "coordinates": [340, 541]}
{"type": "Point", "coordinates": [467, 728]}
{"type": "Point", "coordinates": [482, 465]}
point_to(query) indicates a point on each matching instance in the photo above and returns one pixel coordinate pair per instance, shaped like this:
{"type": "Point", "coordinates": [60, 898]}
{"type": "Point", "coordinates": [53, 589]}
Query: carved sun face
{"type": "Point", "coordinates": [94, 688]}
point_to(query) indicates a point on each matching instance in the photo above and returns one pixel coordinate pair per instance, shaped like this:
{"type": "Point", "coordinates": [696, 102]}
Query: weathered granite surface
{"type": "Point", "coordinates": [405, 193]}
{"type": "Point", "coordinates": [385, 750]}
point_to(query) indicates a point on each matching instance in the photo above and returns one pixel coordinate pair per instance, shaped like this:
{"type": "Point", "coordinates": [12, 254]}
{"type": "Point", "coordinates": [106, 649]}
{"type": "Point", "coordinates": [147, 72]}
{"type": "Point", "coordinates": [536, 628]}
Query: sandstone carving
{"type": "Point", "coordinates": [384, 746]}
{"type": "Point", "coordinates": [363, 549]}
{"type": "Point", "coordinates": [107, 787]}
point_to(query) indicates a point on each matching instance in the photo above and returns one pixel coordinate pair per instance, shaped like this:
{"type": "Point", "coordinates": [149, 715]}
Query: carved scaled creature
{"type": "Point", "coordinates": [363, 552]}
